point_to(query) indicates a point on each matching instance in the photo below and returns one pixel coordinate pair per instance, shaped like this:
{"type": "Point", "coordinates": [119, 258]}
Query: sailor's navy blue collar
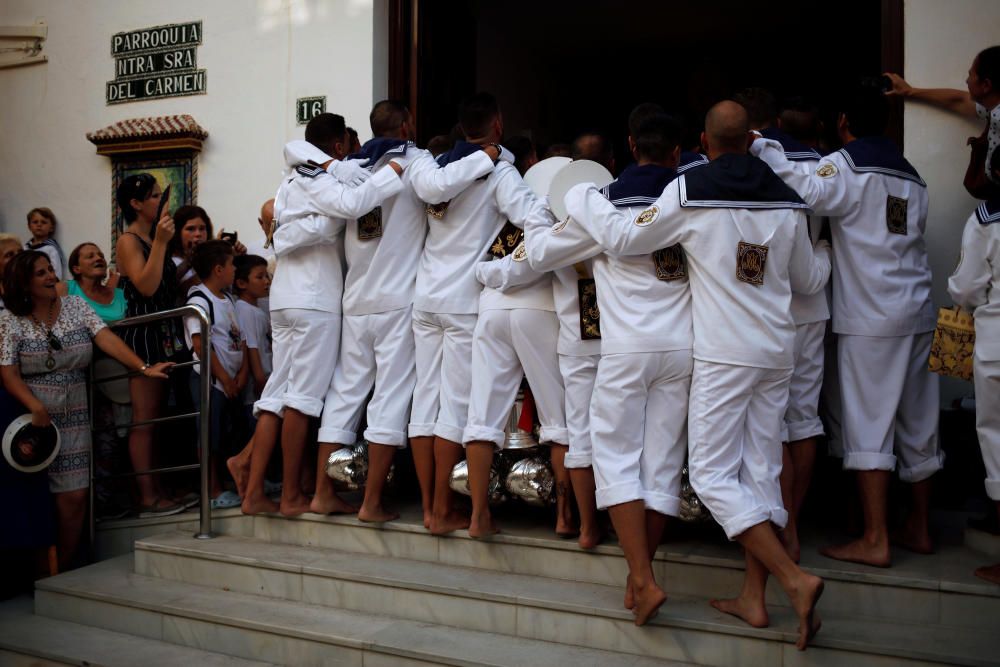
{"type": "Point", "coordinates": [690, 160]}
{"type": "Point", "coordinates": [736, 181]}
{"type": "Point", "coordinates": [795, 150]}
{"type": "Point", "coordinates": [988, 212]}
{"type": "Point", "coordinates": [879, 155]}
{"type": "Point", "coordinates": [460, 150]}
{"type": "Point", "coordinates": [639, 185]}
{"type": "Point", "coordinates": [375, 149]}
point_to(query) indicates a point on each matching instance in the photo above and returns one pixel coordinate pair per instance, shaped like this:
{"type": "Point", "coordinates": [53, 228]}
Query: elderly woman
{"type": "Point", "coordinates": [45, 347]}
{"type": "Point", "coordinates": [90, 282]}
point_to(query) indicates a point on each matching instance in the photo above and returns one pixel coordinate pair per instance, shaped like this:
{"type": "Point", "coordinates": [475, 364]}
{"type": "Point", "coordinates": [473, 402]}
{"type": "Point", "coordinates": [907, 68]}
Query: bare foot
{"type": "Point", "coordinates": [751, 612]}
{"type": "Point", "coordinates": [990, 573]}
{"type": "Point", "coordinates": [376, 514]}
{"type": "Point", "coordinates": [427, 518]}
{"type": "Point", "coordinates": [790, 539]}
{"type": "Point", "coordinates": [294, 506]}
{"type": "Point", "coordinates": [239, 468]}
{"type": "Point", "coordinates": [860, 551]}
{"type": "Point", "coordinates": [629, 597]}
{"type": "Point", "coordinates": [482, 526]}
{"type": "Point", "coordinates": [332, 504]}
{"type": "Point", "coordinates": [647, 599]}
{"type": "Point", "coordinates": [449, 523]}
{"type": "Point", "coordinates": [565, 528]}
{"type": "Point", "coordinates": [590, 537]}
{"type": "Point", "coordinates": [914, 537]}
{"type": "Point", "coordinates": [804, 598]}
{"type": "Point", "coordinates": [258, 504]}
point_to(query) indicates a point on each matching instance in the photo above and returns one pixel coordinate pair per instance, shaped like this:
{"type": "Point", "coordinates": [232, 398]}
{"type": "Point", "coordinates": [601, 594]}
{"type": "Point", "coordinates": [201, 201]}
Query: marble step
{"type": "Point", "coordinates": [984, 542]}
{"type": "Point", "coordinates": [110, 595]}
{"type": "Point", "coordinates": [541, 608]}
{"type": "Point", "coordinates": [939, 588]}
{"type": "Point", "coordinates": [27, 639]}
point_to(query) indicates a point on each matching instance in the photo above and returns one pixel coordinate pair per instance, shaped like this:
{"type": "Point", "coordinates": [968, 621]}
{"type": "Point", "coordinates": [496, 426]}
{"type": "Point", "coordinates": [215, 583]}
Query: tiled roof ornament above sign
{"type": "Point", "coordinates": [158, 133]}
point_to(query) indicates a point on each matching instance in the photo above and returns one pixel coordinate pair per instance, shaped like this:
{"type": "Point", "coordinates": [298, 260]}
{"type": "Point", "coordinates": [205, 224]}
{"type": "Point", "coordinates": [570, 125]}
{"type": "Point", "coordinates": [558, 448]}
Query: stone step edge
{"type": "Point", "coordinates": [873, 576]}
{"type": "Point", "coordinates": [175, 608]}
{"type": "Point", "coordinates": [671, 615]}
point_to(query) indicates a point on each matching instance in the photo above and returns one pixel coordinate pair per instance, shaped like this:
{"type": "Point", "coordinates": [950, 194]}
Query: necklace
{"type": "Point", "coordinates": [50, 338]}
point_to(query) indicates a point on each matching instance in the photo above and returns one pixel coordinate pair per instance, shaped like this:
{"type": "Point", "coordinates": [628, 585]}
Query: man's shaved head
{"type": "Point", "coordinates": [726, 128]}
{"type": "Point", "coordinates": [596, 147]}
{"type": "Point", "coordinates": [267, 211]}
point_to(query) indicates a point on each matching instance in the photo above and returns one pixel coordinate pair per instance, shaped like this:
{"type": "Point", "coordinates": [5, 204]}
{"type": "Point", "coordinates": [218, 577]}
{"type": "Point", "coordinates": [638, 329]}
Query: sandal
{"type": "Point", "coordinates": [225, 500]}
{"type": "Point", "coordinates": [155, 510]}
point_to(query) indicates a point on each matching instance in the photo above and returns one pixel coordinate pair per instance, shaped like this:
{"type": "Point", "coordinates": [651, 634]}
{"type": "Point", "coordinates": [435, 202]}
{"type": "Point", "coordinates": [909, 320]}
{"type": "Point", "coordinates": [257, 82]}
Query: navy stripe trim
{"type": "Point", "coordinates": [881, 170]}
{"type": "Point", "coordinates": [986, 216]}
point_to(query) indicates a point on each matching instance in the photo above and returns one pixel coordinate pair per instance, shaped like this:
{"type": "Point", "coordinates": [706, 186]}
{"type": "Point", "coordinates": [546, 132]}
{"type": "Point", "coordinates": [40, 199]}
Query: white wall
{"type": "Point", "coordinates": [941, 40]}
{"type": "Point", "coordinates": [260, 55]}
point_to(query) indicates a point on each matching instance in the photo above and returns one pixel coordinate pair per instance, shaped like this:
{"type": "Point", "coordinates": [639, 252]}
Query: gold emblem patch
{"type": "Point", "coordinates": [647, 216]}
{"type": "Point", "coordinates": [670, 263]}
{"type": "Point", "coordinates": [750, 262]}
{"type": "Point", "coordinates": [895, 215]}
{"type": "Point", "coordinates": [370, 224]}
{"type": "Point", "coordinates": [826, 171]}
{"type": "Point", "coordinates": [437, 211]}
{"type": "Point", "coordinates": [520, 252]}
{"type": "Point", "coordinates": [590, 314]}
{"type": "Point", "coordinates": [506, 240]}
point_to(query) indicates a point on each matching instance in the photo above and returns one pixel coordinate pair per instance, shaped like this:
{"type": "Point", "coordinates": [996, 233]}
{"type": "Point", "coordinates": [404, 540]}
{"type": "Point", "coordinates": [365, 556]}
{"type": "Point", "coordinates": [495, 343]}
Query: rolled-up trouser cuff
{"type": "Point", "coordinates": [993, 489]}
{"type": "Point", "coordinates": [662, 503]}
{"type": "Point", "coordinates": [385, 436]}
{"type": "Point", "coordinates": [311, 407]}
{"type": "Point", "coordinates": [578, 460]}
{"type": "Point", "coordinates": [556, 434]}
{"type": "Point", "coordinates": [869, 461]}
{"type": "Point", "coordinates": [448, 432]}
{"type": "Point", "coordinates": [742, 522]}
{"type": "Point", "coordinates": [272, 405]}
{"type": "Point", "coordinates": [336, 436]}
{"type": "Point", "coordinates": [923, 470]}
{"type": "Point", "coordinates": [809, 428]}
{"type": "Point", "coordinates": [420, 430]}
{"type": "Point", "coordinates": [482, 434]}
{"type": "Point", "coordinates": [616, 494]}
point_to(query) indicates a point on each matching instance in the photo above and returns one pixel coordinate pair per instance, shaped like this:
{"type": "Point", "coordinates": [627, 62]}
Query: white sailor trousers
{"type": "Point", "coordinates": [305, 345]}
{"type": "Point", "coordinates": [507, 345]}
{"type": "Point", "coordinates": [443, 353]}
{"type": "Point", "coordinates": [802, 415]}
{"type": "Point", "coordinates": [375, 349]}
{"type": "Point", "coordinates": [638, 424]}
{"type": "Point", "coordinates": [579, 375]}
{"type": "Point", "coordinates": [734, 456]}
{"type": "Point", "coordinates": [890, 403]}
{"type": "Point", "coordinates": [987, 382]}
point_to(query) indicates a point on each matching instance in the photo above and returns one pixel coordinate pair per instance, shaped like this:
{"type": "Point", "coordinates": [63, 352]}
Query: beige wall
{"type": "Point", "coordinates": [260, 55]}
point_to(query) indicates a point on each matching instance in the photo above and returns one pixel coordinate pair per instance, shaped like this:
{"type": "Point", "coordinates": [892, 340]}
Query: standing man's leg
{"type": "Point", "coordinates": [428, 339]}
{"type": "Point", "coordinates": [579, 374]}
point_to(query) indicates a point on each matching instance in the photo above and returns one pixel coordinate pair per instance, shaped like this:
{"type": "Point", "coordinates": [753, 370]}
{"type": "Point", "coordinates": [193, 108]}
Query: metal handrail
{"type": "Point", "coordinates": [205, 377]}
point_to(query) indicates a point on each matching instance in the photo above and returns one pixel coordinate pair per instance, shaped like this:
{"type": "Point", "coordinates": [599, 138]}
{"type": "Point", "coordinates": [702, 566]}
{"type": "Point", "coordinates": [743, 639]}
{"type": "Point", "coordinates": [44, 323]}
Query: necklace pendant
{"type": "Point", "coordinates": [50, 362]}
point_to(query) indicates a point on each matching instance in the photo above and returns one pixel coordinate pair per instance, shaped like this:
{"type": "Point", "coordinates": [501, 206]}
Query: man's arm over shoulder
{"type": "Point", "coordinates": [969, 285]}
{"type": "Point", "coordinates": [825, 189]}
{"type": "Point", "coordinates": [435, 184]}
{"type": "Point", "coordinates": [507, 272]}
{"type": "Point", "coordinates": [808, 267]}
{"type": "Point", "coordinates": [337, 200]}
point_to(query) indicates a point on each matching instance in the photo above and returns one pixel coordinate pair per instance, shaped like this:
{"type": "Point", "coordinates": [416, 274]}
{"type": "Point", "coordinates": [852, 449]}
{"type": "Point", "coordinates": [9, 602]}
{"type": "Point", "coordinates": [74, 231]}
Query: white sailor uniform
{"type": "Point", "coordinates": [810, 313]}
{"type": "Point", "coordinates": [975, 286]}
{"type": "Point", "coordinates": [746, 246]}
{"type": "Point", "coordinates": [305, 296]}
{"type": "Point", "coordinates": [882, 310]}
{"type": "Point", "coordinates": [460, 190]}
{"type": "Point", "coordinates": [382, 249]}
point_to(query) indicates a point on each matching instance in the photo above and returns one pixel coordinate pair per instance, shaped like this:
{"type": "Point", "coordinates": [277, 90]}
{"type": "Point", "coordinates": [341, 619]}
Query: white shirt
{"type": "Point", "coordinates": [977, 276]}
{"type": "Point", "coordinates": [509, 282]}
{"type": "Point", "coordinates": [227, 338]}
{"type": "Point", "coordinates": [256, 327]}
{"type": "Point", "coordinates": [734, 322]}
{"type": "Point", "coordinates": [382, 269]}
{"type": "Point", "coordinates": [881, 278]}
{"type": "Point", "coordinates": [310, 208]}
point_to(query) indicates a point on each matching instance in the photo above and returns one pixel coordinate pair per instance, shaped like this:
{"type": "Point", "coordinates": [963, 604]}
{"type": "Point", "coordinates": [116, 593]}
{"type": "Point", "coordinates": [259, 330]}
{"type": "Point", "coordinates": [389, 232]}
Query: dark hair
{"type": "Point", "coordinates": [245, 264]}
{"type": "Point", "coordinates": [521, 147]}
{"type": "Point", "coordinates": [326, 129]}
{"type": "Point", "coordinates": [209, 255]}
{"type": "Point", "coordinates": [182, 216]}
{"type": "Point", "coordinates": [800, 119]}
{"type": "Point", "coordinates": [74, 257]}
{"type": "Point", "coordinates": [657, 137]}
{"type": "Point", "coordinates": [441, 143]}
{"type": "Point", "coordinates": [17, 278]}
{"type": "Point", "coordinates": [760, 104]}
{"type": "Point", "coordinates": [866, 110]}
{"type": "Point", "coordinates": [640, 113]}
{"type": "Point", "coordinates": [988, 66]}
{"type": "Point", "coordinates": [559, 150]}
{"type": "Point", "coordinates": [387, 117]}
{"type": "Point", "coordinates": [476, 113]}
{"type": "Point", "coordinates": [136, 186]}
{"type": "Point", "coordinates": [46, 213]}
{"type": "Point", "coordinates": [600, 150]}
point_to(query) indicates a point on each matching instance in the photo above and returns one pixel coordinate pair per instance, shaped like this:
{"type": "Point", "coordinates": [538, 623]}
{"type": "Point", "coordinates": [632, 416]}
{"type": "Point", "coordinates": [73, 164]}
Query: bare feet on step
{"type": "Point", "coordinates": [647, 599]}
{"type": "Point", "coordinates": [332, 504]}
{"type": "Point", "coordinates": [860, 551]}
{"type": "Point", "coordinates": [376, 514]}
{"type": "Point", "coordinates": [751, 612]}
{"type": "Point", "coordinates": [449, 523]}
{"type": "Point", "coordinates": [590, 537]}
{"type": "Point", "coordinates": [239, 468]}
{"type": "Point", "coordinates": [258, 504]}
{"type": "Point", "coordinates": [482, 526]}
{"type": "Point", "coordinates": [913, 536]}
{"type": "Point", "coordinates": [804, 597]}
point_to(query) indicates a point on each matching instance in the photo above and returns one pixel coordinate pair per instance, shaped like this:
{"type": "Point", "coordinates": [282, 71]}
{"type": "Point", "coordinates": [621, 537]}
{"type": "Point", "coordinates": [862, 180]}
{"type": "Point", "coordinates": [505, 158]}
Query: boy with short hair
{"type": "Point", "coordinates": [252, 283]}
{"type": "Point", "coordinates": [212, 261]}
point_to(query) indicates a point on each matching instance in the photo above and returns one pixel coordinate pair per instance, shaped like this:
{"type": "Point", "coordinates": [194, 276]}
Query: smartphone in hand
{"type": "Point", "coordinates": [164, 198]}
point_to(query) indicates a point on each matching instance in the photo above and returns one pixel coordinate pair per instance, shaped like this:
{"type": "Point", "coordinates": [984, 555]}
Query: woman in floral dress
{"type": "Point", "coordinates": [45, 349]}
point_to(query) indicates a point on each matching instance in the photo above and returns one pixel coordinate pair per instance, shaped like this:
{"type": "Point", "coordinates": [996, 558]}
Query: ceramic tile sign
{"type": "Point", "coordinates": [307, 108]}
{"type": "Point", "coordinates": [157, 62]}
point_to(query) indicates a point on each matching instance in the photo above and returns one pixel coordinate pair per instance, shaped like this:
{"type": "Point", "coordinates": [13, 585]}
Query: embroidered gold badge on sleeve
{"type": "Point", "coordinates": [647, 216]}
{"type": "Point", "coordinates": [750, 262]}
{"type": "Point", "coordinates": [826, 171]}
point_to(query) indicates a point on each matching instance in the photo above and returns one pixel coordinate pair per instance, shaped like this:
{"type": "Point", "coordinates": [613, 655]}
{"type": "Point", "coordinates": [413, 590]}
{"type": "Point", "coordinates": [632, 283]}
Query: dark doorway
{"type": "Point", "coordinates": [560, 68]}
